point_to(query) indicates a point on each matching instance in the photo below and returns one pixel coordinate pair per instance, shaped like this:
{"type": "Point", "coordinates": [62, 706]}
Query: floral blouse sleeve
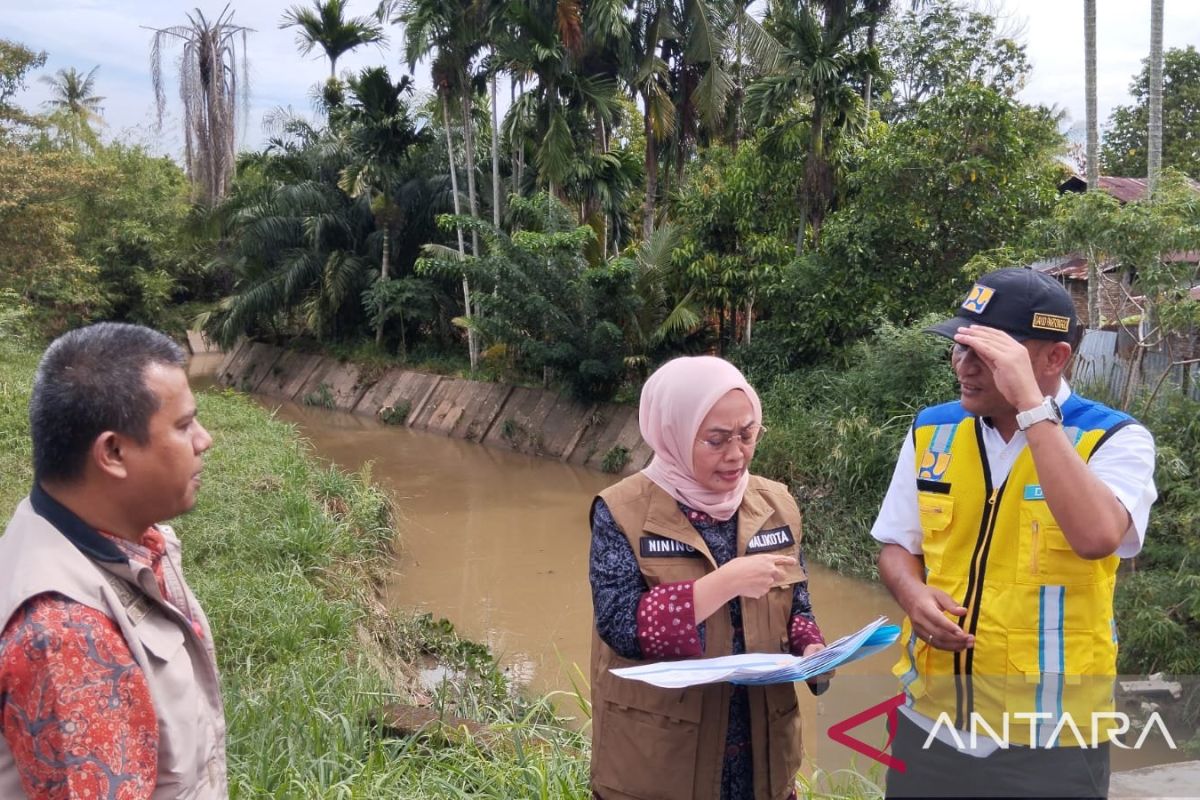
{"type": "Point", "coordinates": [634, 620]}
{"type": "Point", "coordinates": [75, 709]}
{"type": "Point", "coordinates": [803, 629]}
{"type": "Point", "coordinates": [617, 584]}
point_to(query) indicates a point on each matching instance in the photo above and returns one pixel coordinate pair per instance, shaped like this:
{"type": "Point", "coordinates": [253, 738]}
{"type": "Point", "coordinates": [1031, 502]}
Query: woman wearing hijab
{"type": "Point", "coordinates": [693, 557]}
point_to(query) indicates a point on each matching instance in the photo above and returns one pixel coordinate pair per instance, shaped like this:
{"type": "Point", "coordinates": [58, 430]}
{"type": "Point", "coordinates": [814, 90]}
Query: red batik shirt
{"type": "Point", "coordinates": [75, 709]}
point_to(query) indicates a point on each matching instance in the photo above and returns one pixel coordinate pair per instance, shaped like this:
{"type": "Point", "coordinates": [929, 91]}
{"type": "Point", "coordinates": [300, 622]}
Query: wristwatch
{"type": "Point", "coordinates": [1048, 410]}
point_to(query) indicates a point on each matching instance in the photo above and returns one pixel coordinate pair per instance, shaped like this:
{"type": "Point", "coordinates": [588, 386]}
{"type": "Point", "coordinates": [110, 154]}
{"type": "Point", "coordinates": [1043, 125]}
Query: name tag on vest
{"type": "Point", "coordinates": [662, 547]}
{"type": "Point", "coordinates": [1033, 491]}
{"type": "Point", "coordinates": [774, 539]}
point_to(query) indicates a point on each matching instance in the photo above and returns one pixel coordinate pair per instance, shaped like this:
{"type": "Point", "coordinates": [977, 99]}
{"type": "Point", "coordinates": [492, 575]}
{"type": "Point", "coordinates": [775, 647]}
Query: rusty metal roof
{"type": "Point", "coordinates": [1072, 265]}
{"type": "Point", "coordinates": [1075, 267]}
{"type": "Point", "coordinates": [1124, 189]}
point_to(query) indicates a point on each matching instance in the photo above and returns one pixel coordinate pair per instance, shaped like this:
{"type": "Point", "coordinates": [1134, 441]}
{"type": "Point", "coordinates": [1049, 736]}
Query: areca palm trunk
{"type": "Point", "coordinates": [867, 88]}
{"type": "Point", "coordinates": [495, 158]}
{"type": "Point", "coordinates": [383, 272]}
{"type": "Point", "coordinates": [462, 249]}
{"type": "Point", "coordinates": [651, 174]}
{"type": "Point", "coordinates": [1154, 154]}
{"type": "Point", "coordinates": [809, 186]}
{"type": "Point", "coordinates": [1093, 148]}
{"type": "Point", "coordinates": [469, 157]}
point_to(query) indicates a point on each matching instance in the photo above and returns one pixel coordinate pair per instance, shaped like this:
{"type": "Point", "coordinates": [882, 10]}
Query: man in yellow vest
{"type": "Point", "coordinates": [1001, 532]}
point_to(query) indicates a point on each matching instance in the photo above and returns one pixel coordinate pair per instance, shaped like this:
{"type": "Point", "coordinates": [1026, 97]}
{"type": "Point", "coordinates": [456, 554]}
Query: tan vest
{"type": "Point", "coordinates": [180, 667]}
{"type": "Point", "coordinates": [668, 744]}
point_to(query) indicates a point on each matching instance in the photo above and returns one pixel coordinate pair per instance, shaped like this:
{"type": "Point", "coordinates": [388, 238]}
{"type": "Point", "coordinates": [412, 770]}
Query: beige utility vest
{"type": "Point", "coordinates": [669, 744]}
{"type": "Point", "coordinates": [35, 558]}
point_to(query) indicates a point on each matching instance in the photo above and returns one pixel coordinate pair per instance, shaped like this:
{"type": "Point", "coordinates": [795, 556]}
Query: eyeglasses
{"type": "Point", "coordinates": [749, 437]}
{"type": "Point", "coordinates": [960, 351]}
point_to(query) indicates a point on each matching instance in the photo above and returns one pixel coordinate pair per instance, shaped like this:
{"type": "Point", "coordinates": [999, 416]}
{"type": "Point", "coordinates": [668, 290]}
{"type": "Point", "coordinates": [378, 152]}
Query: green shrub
{"type": "Point", "coordinates": [321, 398]}
{"type": "Point", "coordinates": [835, 432]}
{"type": "Point", "coordinates": [1158, 599]}
{"type": "Point", "coordinates": [396, 414]}
{"type": "Point", "coordinates": [511, 431]}
{"type": "Point", "coordinates": [615, 459]}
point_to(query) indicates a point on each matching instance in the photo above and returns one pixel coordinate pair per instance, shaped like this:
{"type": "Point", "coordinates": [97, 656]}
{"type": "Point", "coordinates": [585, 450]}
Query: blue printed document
{"type": "Point", "coordinates": [762, 668]}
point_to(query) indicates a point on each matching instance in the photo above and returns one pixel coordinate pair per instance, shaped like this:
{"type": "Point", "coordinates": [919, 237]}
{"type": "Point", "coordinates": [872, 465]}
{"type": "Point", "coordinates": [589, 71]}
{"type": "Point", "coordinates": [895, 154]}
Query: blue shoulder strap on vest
{"type": "Point", "coordinates": [945, 419]}
{"type": "Point", "coordinates": [1081, 415]}
{"type": "Point", "coordinates": [1090, 415]}
{"type": "Point", "coordinates": [950, 413]}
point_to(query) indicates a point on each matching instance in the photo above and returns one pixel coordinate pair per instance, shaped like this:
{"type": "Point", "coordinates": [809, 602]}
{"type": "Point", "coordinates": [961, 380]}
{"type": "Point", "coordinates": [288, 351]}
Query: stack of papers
{"type": "Point", "coordinates": [762, 668]}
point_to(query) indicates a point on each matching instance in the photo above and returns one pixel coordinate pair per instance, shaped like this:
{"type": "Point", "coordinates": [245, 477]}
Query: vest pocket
{"type": "Point", "coordinates": [1045, 556]}
{"type": "Point", "coordinates": [649, 743]}
{"type": "Point", "coordinates": [783, 730]}
{"type": "Point", "coordinates": [161, 637]}
{"type": "Point", "coordinates": [183, 726]}
{"type": "Point", "coordinates": [1049, 675]}
{"type": "Point", "coordinates": [936, 512]}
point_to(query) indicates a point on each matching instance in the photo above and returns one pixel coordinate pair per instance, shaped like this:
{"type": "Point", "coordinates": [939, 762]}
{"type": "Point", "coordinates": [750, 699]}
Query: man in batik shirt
{"type": "Point", "coordinates": [108, 683]}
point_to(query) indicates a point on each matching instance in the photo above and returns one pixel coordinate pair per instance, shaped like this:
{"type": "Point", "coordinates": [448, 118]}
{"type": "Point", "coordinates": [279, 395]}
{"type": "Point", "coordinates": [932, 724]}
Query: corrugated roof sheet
{"type": "Point", "coordinates": [1072, 265]}
{"type": "Point", "coordinates": [1075, 267]}
{"type": "Point", "coordinates": [1124, 189]}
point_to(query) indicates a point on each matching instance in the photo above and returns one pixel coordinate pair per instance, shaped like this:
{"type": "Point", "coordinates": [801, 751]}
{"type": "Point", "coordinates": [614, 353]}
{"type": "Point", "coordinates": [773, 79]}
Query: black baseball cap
{"type": "Point", "coordinates": [1019, 301]}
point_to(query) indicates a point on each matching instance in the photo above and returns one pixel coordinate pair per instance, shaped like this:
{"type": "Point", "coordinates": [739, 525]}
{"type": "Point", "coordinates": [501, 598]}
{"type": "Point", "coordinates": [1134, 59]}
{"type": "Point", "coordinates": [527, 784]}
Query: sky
{"type": "Point", "coordinates": [113, 35]}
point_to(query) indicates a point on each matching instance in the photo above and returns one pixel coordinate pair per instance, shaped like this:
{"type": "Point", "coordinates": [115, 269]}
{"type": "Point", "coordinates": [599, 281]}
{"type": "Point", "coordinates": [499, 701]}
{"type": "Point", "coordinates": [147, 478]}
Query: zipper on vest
{"type": "Point", "coordinates": [964, 660]}
{"type": "Point", "coordinates": [1033, 554]}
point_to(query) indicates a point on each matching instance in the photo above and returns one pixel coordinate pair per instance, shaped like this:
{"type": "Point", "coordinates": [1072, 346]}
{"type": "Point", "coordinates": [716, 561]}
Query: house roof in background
{"type": "Point", "coordinates": [1072, 265]}
{"type": "Point", "coordinates": [1124, 189]}
{"type": "Point", "coordinates": [1075, 267]}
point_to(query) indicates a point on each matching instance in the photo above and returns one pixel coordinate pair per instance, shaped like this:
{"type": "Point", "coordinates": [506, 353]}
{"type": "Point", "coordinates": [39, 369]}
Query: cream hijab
{"type": "Point", "coordinates": [675, 401]}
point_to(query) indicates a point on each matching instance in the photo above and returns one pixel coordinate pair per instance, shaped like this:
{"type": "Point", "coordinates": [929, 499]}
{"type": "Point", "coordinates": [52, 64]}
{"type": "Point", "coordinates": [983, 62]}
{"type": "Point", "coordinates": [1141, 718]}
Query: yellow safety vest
{"type": "Point", "coordinates": [1042, 668]}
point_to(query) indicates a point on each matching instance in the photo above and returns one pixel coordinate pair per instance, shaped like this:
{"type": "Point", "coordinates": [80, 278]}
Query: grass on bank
{"type": "Point", "coordinates": [282, 553]}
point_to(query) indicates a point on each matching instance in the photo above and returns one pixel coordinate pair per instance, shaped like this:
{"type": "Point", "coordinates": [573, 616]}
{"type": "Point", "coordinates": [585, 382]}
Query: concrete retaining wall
{"type": "Point", "coordinates": [532, 421]}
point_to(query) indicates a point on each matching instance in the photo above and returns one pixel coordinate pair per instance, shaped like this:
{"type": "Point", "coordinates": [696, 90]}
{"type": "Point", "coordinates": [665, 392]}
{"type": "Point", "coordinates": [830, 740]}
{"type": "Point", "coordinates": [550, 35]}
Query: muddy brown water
{"type": "Point", "coordinates": [497, 543]}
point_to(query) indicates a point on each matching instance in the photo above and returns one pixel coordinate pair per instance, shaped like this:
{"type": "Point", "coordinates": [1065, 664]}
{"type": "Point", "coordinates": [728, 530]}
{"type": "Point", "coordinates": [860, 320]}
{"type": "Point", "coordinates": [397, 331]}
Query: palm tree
{"type": "Point", "coordinates": [662, 319]}
{"type": "Point", "coordinates": [296, 247]}
{"type": "Point", "coordinates": [448, 31]}
{"type": "Point", "coordinates": [1154, 152]}
{"type": "Point", "coordinates": [696, 54]}
{"type": "Point", "coordinates": [648, 76]}
{"type": "Point", "coordinates": [378, 134]}
{"type": "Point", "coordinates": [211, 91]}
{"type": "Point", "coordinates": [325, 25]}
{"type": "Point", "coordinates": [753, 48]}
{"type": "Point", "coordinates": [568, 108]}
{"type": "Point", "coordinates": [821, 65]}
{"type": "Point", "coordinates": [1093, 147]}
{"type": "Point", "coordinates": [497, 29]}
{"type": "Point", "coordinates": [72, 101]}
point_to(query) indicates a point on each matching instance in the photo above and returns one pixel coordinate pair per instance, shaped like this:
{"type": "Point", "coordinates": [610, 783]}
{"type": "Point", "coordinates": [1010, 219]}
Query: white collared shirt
{"type": "Point", "coordinates": [1125, 464]}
